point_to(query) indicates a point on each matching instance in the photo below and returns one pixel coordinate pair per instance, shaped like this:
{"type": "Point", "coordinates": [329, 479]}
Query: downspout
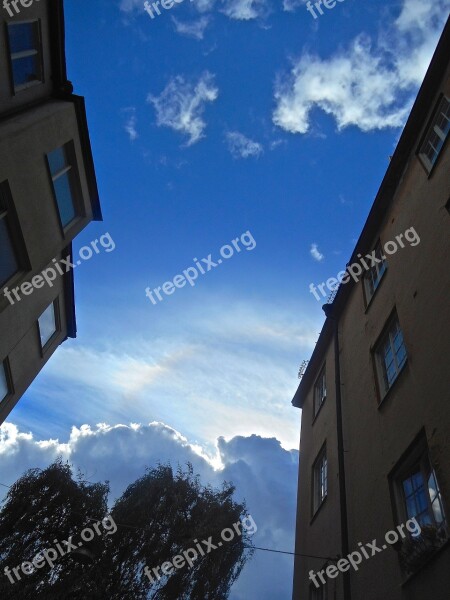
{"type": "Point", "coordinates": [345, 550]}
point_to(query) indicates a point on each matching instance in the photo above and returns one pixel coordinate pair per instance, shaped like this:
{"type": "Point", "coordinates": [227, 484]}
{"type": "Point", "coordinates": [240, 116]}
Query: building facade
{"type": "Point", "coordinates": [375, 397]}
{"type": "Point", "coordinates": [48, 192]}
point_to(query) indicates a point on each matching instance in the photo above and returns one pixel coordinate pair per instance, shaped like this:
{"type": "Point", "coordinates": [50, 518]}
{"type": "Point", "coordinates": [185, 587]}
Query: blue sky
{"type": "Point", "coordinates": [213, 119]}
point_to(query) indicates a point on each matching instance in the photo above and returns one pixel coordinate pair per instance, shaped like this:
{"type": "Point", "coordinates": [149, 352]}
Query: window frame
{"type": "Point", "coordinates": [50, 342]}
{"type": "Point", "coordinates": [370, 288]}
{"type": "Point", "coordinates": [321, 379]}
{"type": "Point", "coordinates": [8, 378]}
{"type": "Point", "coordinates": [71, 167]}
{"type": "Point", "coordinates": [381, 376]}
{"type": "Point", "coordinates": [317, 497]}
{"type": "Point", "coordinates": [9, 213]}
{"type": "Point", "coordinates": [417, 455]}
{"type": "Point", "coordinates": [17, 89]}
{"type": "Point", "coordinates": [431, 127]}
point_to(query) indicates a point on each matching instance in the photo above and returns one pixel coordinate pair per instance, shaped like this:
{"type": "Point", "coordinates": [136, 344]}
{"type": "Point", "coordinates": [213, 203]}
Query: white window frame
{"type": "Point", "coordinates": [320, 391]}
{"type": "Point", "coordinates": [319, 480]}
{"type": "Point", "coordinates": [417, 460]}
{"type": "Point", "coordinates": [388, 339]}
{"type": "Point", "coordinates": [442, 113]}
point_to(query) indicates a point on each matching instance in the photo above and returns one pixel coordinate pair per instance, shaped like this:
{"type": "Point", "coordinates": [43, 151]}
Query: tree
{"type": "Point", "coordinates": [41, 508]}
{"type": "Point", "coordinates": [160, 516]}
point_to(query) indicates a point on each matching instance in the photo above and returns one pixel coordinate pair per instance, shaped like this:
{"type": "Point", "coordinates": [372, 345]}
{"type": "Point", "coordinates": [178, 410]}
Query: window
{"type": "Point", "coordinates": [320, 391]}
{"type": "Point", "coordinates": [26, 54]}
{"type": "Point", "coordinates": [318, 593]}
{"type": "Point", "coordinates": [48, 324]}
{"type": "Point", "coordinates": [9, 264]}
{"type": "Point", "coordinates": [422, 496]}
{"type": "Point", "coordinates": [61, 164]}
{"type": "Point", "coordinates": [4, 387]}
{"type": "Point", "coordinates": [436, 135]}
{"type": "Point", "coordinates": [373, 276]}
{"type": "Point", "coordinates": [390, 355]}
{"type": "Point", "coordinates": [418, 496]}
{"type": "Point", "coordinates": [320, 479]}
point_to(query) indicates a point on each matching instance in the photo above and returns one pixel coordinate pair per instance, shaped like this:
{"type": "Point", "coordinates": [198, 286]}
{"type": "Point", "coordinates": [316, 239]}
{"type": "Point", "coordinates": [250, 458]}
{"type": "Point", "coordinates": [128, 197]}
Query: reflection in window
{"type": "Point", "coordinates": [47, 324]}
{"type": "Point", "coordinates": [26, 58]}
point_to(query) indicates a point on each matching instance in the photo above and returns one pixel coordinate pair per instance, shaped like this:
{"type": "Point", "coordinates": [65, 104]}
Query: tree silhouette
{"type": "Point", "coordinates": [160, 516]}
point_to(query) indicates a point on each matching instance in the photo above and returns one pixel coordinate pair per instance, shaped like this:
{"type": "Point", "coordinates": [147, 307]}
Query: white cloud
{"type": "Point", "coordinates": [130, 124]}
{"type": "Point", "coordinates": [181, 104]}
{"type": "Point", "coordinates": [292, 5]}
{"type": "Point", "coordinates": [265, 476]}
{"type": "Point", "coordinates": [193, 29]}
{"type": "Point", "coordinates": [224, 360]}
{"type": "Point", "coordinates": [245, 10]}
{"type": "Point", "coordinates": [241, 146]}
{"type": "Point", "coordinates": [314, 251]}
{"type": "Point", "coordinates": [130, 5]}
{"type": "Point", "coordinates": [370, 84]}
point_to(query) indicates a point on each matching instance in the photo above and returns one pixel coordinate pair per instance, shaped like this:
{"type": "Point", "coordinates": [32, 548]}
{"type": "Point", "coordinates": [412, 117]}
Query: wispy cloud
{"type": "Point", "coordinates": [314, 251]}
{"type": "Point", "coordinates": [370, 84]}
{"type": "Point", "coordinates": [131, 122]}
{"type": "Point", "coordinates": [194, 29]}
{"type": "Point", "coordinates": [181, 104]}
{"type": "Point", "coordinates": [241, 146]}
{"type": "Point", "coordinates": [226, 361]}
{"type": "Point", "coordinates": [245, 10]}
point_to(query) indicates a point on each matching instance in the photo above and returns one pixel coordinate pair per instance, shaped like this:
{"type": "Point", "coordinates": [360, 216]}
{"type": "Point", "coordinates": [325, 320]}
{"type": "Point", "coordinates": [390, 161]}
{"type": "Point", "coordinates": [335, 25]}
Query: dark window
{"type": "Point", "coordinates": [26, 53]}
{"type": "Point", "coordinates": [4, 386]}
{"type": "Point", "coordinates": [9, 263]}
{"type": "Point", "coordinates": [320, 479]}
{"type": "Point", "coordinates": [320, 391]}
{"type": "Point", "coordinates": [373, 276]}
{"type": "Point", "coordinates": [436, 134]}
{"type": "Point", "coordinates": [61, 163]}
{"type": "Point", "coordinates": [390, 355]}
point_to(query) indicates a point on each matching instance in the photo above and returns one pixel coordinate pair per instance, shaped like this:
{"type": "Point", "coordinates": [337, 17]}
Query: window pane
{"type": "Point", "coordinates": [57, 160]}
{"type": "Point", "coordinates": [23, 36]}
{"type": "Point", "coordinates": [8, 261]}
{"type": "Point", "coordinates": [26, 69]}
{"type": "Point", "coordinates": [437, 511]}
{"type": "Point", "coordinates": [47, 324]}
{"type": "Point", "coordinates": [64, 198]}
{"type": "Point", "coordinates": [4, 391]}
{"type": "Point", "coordinates": [432, 487]}
{"type": "Point", "coordinates": [407, 487]}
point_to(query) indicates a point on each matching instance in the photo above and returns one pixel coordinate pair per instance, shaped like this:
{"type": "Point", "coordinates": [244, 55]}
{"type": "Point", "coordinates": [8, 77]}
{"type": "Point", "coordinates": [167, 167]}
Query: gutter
{"type": "Point", "coordinates": [345, 547]}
